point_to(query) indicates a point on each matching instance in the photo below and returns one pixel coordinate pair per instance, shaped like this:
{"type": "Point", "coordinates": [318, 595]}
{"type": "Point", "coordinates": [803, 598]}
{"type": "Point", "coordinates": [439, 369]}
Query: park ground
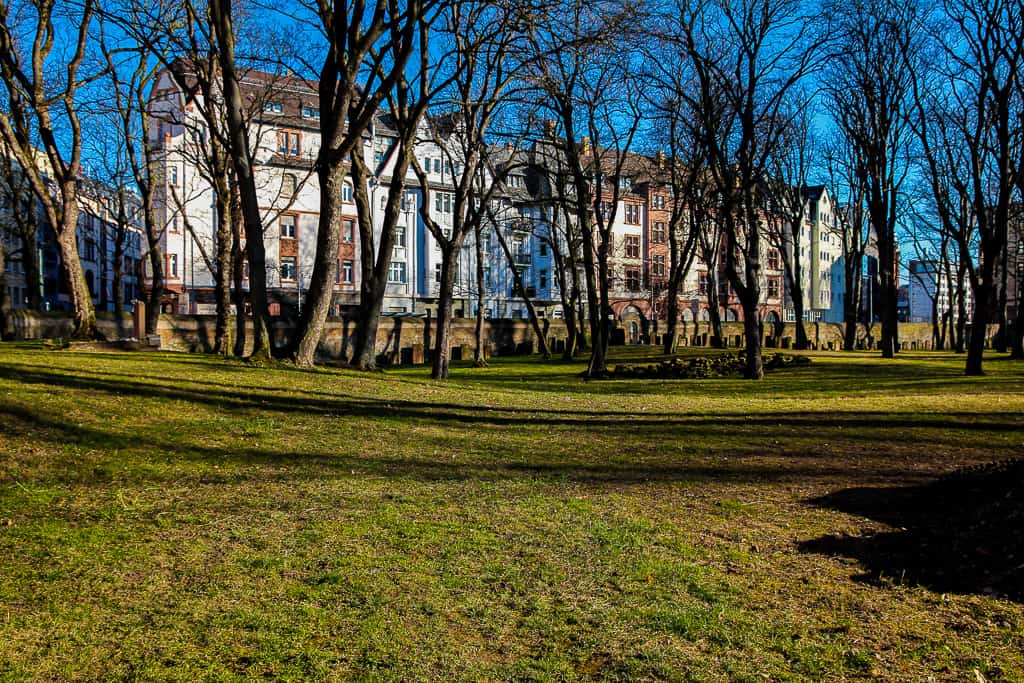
{"type": "Point", "coordinates": [180, 517]}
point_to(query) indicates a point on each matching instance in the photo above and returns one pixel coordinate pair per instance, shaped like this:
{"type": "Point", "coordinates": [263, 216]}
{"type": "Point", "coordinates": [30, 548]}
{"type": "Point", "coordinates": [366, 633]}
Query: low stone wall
{"type": "Point", "coordinates": [41, 325]}
{"type": "Point", "coordinates": [822, 336]}
{"type": "Point", "coordinates": [408, 339]}
{"type": "Point", "coordinates": [404, 339]}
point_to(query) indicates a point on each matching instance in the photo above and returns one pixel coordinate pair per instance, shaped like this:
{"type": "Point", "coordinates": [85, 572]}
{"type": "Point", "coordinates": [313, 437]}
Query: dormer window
{"type": "Point", "coordinates": [310, 113]}
{"type": "Point", "coordinates": [273, 108]}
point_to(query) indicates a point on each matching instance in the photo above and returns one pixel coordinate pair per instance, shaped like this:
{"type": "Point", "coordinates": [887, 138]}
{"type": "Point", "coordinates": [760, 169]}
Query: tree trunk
{"type": "Point", "coordinates": [5, 299]}
{"type": "Point", "coordinates": [851, 305]}
{"type": "Point", "coordinates": [1002, 336]}
{"type": "Point", "coordinates": [671, 317]}
{"type": "Point", "coordinates": [599, 311]}
{"type": "Point", "coordinates": [83, 312]}
{"type": "Point", "coordinates": [979, 328]}
{"type": "Point", "coordinates": [754, 368]}
{"type": "Point", "coordinates": [479, 353]}
{"type": "Point", "coordinates": [714, 310]}
{"type": "Point", "coordinates": [220, 11]}
{"type": "Point", "coordinates": [888, 295]}
{"type": "Point", "coordinates": [223, 261]}
{"type": "Point", "coordinates": [442, 343]}
{"type": "Point", "coordinates": [325, 266]}
{"type": "Point", "coordinates": [118, 279]}
{"type": "Point", "coordinates": [30, 261]}
{"type": "Point", "coordinates": [1017, 345]}
{"type": "Point", "coordinates": [802, 343]}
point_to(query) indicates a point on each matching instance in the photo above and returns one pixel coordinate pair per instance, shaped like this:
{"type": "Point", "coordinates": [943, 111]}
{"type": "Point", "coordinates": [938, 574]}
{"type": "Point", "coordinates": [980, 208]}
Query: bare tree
{"type": "Point", "coordinates": [133, 32]}
{"type": "Point", "coordinates": [849, 227]}
{"type": "Point", "coordinates": [587, 84]}
{"type": "Point", "coordinates": [480, 69]}
{"type": "Point", "coordinates": [790, 167]}
{"type": "Point", "coordinates": [368, 47]}
{"type": "Point", "coordinates": [969, 120]}
{"type": "Point", "coordinates": [747, 56]}
{"type": "Point", "coordinates": [869, 92]}
{"type": "Point", "coordinates": [29, 76]}
{"type": "Point", "coordinates": [239, 144]}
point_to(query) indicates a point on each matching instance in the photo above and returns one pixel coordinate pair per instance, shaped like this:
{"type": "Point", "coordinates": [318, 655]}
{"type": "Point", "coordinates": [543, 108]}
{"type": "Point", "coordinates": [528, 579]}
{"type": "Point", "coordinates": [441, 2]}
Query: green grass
{"type": "Point", "coordinates": [177, 517]}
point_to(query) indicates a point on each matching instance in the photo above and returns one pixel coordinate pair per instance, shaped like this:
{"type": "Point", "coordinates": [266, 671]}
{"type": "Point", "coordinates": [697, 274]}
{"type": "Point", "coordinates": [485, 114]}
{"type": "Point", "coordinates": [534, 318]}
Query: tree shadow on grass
{"type": "Point", "coordinates": [963, 533]}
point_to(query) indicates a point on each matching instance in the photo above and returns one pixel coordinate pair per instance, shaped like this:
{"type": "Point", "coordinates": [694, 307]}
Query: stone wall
{"type": "Point", "coordinates": [400, 339]}
{"type": "Point", "coordinates": [40, 325]}
{"type": "Point", "coordinates": [408, 339]}
{"type": "Point", "coordinates": [822, 336]}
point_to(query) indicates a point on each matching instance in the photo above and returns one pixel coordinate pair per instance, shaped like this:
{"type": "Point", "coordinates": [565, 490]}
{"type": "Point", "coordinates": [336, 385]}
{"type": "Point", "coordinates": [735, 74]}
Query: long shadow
{"type": "Point", "coordinates": [318, 465]}
{"type": "Point", "coordinates": [963, 533]}
{"type": "Point", "coordinates": [250, 398]}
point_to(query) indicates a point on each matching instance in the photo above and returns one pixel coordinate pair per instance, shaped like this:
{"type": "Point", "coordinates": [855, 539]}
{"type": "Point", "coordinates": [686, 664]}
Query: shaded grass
{"type": "Point", "coordinates": [178, 517]}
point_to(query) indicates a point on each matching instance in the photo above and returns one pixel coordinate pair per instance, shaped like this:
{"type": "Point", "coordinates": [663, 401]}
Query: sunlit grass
{"type": "Point", "coordinates": [179, 517]}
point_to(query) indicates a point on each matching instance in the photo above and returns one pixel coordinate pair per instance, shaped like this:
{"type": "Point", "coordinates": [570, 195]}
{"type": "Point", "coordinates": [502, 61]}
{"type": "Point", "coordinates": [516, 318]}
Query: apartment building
{"type": "Point", "coordinates": [821, 254]}
{"type": "Point", "coordinates": [286, 137]}
{"type": "Point", "coordinates": [102, 223]}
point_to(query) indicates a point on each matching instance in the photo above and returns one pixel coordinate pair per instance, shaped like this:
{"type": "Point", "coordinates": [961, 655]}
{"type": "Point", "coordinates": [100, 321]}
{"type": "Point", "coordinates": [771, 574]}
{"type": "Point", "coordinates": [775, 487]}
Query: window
{"type": "Point", "coordinates": [310, 113]}
{"type": "Point", "coordinates": [632, 243]}
{"type": "Point", "coordinates": [437, 272]}
{"type": "Point", "coordinates": [543, 248]}
{"type": "Point", "coordinates": [347, 230]}
{"type": "Point", "coordinates": [400, 236]}
{"type": "Point", "coordinates": [658, 201]}
{"type": "Point", "coordinates": [288, 268]}
{"type": "Point", "coordinates": [702, 284]}
{"type": "Point", "coordinates": [287, 222]}
{"type": "Point", "coordinates": [396, 273]}
{"type": "Point", "coordinates": [174, 175]}
{"type": "Point", "coordinates": [437, 165]}
{"type": "Point", "coordinates": [289, 183]}
{"type": "Point", "coordinates": [346, 192]}
{"type": "Point", "coordinates": [443, 202]}
{"type": "Point", "coordinates": [288, 143]}
{"type": "Point", "coordinates": [632, 279]}
{"type": "Point", "coordinates": [633, 214]}
{"type": "Point", "coordinates": [172, 265]}
{"type": "Point", "coordinates": [347, 271]}
{"type": "Point", "coordinates": [543, 279]}
{"type": "Point", "coordinates": [658, 266]}
{"type": "Point", "coordinates": [658, 232]}
{"type": "Point", "coordinates": [773, 259]}
{"type": "Point", "coordinates": [773, 288]}
{"type": "Point", "coordinates": [273, 108]}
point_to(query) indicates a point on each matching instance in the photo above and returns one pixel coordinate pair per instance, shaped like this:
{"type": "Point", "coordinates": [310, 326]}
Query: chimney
{"type": "Point", "coordinates": [549, 128]}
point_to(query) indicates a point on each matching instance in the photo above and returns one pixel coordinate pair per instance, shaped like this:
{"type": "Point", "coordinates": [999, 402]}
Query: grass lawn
{"type": "Point", "coordinates": [178, 517]}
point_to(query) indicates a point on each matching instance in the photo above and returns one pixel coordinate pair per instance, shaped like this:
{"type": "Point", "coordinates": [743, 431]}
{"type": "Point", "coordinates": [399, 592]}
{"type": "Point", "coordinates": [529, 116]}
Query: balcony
{"type": "Point", "coordinates": [521, 259]}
